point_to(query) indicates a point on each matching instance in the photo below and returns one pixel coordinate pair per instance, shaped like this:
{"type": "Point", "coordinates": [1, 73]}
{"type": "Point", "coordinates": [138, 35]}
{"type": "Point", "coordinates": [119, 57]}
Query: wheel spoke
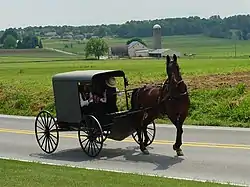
{"type": "Point", "coordinates": [44, 117]}
{"type": "Point", "coordinates": [51, 139]}
{"type": "Point", "coordinates": [53, 136]}
{"type": "Point", "coordinates": [150, 133]}
{"type": "Point", "coordinates": [150, 128]}
{"type": "Point", "coordinates": [86, 144]}
{"type": "Point", "coordinates": [47, 120]}
{"type": "Point", "coordinates": [41, 137]}
{"type": "Point", "coordinates": [43, 141]}
{"type": "Point", "coordinates": [96, 144]}
{"type": "Point", "coordinates": [46, 143]}
{"type": "Point", "coordinates": [42, 120]}
{"type": "Point", "coordinates": [53, 124]}
{"type": "Point", "coordinates": [91, 146]}
{"type": "Point", "coordinates": [49, 143]}
{"type": "Point", "coordinates": [40, 128]}
{"type": "Point", "coordinates": [84, 141]}
{"type": "Point", "coordinates": [41, 124]}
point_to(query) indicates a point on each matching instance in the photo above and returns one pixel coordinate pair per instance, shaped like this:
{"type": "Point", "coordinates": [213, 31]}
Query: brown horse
{"type": "Point", "coordinates": [170, 99]}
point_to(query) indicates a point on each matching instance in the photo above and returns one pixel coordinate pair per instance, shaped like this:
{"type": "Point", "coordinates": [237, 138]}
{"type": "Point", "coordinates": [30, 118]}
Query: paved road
{"type": "Point", "coordinates": [210, 154]}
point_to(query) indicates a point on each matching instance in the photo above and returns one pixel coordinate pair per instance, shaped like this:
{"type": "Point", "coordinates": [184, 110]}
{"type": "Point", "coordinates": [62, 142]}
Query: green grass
{"type": "Point", "coordinates": [16, 173]}
{"type": "Point", "coordinates": [25, 78]}
{"type": "Point", "coordinates": [26, 87]}
{"type": "Point", "coordinates": [202, 46]}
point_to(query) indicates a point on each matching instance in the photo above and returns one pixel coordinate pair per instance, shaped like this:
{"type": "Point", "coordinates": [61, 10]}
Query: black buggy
{"type": "Point", "coordinates": [70, 116]}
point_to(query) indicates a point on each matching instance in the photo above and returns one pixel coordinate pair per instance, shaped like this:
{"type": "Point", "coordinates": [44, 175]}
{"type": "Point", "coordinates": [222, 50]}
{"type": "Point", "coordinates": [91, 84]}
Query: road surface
{"type": "Point", "coordinates": [220, 154]}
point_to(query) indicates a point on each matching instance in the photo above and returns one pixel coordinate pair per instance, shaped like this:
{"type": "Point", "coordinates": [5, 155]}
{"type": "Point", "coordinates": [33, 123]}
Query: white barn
{"type": "Point", "coordinates": [135, 46]}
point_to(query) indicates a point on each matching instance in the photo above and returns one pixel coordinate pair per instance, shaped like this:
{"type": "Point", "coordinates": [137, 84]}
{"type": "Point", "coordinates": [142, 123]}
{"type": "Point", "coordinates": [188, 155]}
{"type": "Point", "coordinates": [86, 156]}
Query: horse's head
{"type": "Point", "coordinates": [177, 87]}
{"type": "Point", "coordinates": [174, 86]}
{"type": "Point", "coordinates": [173, 69]}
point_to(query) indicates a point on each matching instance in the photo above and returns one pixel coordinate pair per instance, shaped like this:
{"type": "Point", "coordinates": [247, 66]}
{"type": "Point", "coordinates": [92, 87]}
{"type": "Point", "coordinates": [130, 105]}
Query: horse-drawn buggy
{"type": "Point", "coordinates": [93, 127]}
{"type": "Point", "coordinates": [80, 107]}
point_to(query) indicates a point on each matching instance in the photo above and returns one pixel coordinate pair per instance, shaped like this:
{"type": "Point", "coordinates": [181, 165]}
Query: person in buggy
{"type": "Point", "coordinates": [111, 92]}
{"type": "Point", "coordinates": [102, 100]}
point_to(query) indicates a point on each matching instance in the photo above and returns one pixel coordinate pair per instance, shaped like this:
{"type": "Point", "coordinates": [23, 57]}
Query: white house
{"type": "Point", "coordinates": [135, 46]}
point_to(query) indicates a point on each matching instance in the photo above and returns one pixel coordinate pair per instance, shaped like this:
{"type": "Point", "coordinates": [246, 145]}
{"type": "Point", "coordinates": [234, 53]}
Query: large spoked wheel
{"type": "Point", "coordinates": [91, 136]}
{"type": "Point", "coordinates": [46, 130]}
{"type": "Point", "coordinates": [150, 132]}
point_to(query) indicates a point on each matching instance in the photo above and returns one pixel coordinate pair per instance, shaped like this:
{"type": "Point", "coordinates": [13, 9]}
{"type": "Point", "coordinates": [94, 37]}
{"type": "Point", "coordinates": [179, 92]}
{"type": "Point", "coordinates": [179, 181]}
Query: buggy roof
{"type": "Point", "coordinates": [86, 75]}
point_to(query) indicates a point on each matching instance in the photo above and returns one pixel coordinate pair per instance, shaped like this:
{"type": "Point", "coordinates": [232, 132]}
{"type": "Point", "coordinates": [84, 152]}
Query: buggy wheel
{"type": "Point", "coordinates": [150, 132]}
{"type": "Point", "coordinates": [45, 125]}
{"type": "Point", "coordinates": [91, 136]}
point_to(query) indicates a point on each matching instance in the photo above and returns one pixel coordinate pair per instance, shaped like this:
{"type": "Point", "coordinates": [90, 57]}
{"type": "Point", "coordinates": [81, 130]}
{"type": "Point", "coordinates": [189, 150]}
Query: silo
{"type": "Point", "coordinates": [157, 36]}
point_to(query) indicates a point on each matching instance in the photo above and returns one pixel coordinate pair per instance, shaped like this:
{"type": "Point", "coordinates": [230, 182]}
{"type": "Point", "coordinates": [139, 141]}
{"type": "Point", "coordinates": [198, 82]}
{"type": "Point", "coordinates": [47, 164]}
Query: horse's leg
{"type": "Point", "coordinates": [178, 142]}
{"type": "Point", "coordinates": [142, 130]}
{"type": "Point", "coordinates": [145, 135]}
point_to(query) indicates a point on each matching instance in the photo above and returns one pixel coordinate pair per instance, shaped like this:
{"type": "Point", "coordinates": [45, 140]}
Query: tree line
{"type": "Point", "coordinates": [235, 27]}
{"type": "Point", "coordinates": [10, 39]}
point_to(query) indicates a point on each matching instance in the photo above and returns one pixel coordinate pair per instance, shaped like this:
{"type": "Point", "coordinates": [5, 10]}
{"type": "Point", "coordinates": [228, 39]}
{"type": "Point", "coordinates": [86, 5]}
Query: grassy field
{"type": "Point", "coordinates": [218, 83]}
{"type": "Point", "coordinates": [202, 46]}
{"type": "Point", "coordinates": [15, 173]}
{"type": "Point", "coordinates": [221, 99]}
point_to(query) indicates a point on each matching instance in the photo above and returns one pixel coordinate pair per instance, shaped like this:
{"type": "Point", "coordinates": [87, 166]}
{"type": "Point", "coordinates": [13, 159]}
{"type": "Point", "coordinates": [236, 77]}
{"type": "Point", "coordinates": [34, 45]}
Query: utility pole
{"type": "Point", "coordinates": [235, 47]}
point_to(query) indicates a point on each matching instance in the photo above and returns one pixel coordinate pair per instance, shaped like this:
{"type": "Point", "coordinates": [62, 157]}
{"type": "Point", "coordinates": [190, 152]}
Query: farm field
{"type": "Point", "coordinates": [218, 83]}
{"type": "Point", "coordinates": [219, 88]}
{"type": "Point", "coordinates": [202, 46]}
{"type": "Point", "coordinates": [34, 174]}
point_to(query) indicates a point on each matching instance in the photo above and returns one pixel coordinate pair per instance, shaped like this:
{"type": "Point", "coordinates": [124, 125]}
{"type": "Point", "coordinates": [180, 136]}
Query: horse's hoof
{"type": "Point", "coordinates": [179, 153]}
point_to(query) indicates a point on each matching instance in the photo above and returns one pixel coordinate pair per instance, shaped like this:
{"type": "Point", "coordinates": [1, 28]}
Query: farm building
{"type": "Point", "coordinates": [135, 46]}
{"type": "Point", "coordinates": [163, 53]}
{"type": "Point", "coordinates": [120, 51]}
{"type": "Point", "coordinates": [142, 53]}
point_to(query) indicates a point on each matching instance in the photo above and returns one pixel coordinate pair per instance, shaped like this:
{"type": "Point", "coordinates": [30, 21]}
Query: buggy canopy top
{"type": "Point", "coordinates": [86, 75]}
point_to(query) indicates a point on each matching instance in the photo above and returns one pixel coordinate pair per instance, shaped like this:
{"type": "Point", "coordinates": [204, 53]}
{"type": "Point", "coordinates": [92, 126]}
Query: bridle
{"type": "Point", "coordinates": [165, 87]}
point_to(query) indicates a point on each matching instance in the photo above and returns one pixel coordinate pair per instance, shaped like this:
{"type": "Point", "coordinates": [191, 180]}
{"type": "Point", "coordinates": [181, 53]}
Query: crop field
{"type": "Point", "coordinates": [219, 88]}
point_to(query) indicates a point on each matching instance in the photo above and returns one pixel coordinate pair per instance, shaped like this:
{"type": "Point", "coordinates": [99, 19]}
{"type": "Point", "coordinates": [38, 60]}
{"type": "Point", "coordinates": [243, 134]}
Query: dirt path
{"type": "Point", "coordinates": [215, 81]}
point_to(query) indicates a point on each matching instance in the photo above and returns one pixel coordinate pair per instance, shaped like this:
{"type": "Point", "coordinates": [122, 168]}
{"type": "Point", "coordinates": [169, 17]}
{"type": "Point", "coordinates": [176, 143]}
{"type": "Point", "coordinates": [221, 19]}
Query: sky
{"type": "Point", "coordinates": [23, 13]}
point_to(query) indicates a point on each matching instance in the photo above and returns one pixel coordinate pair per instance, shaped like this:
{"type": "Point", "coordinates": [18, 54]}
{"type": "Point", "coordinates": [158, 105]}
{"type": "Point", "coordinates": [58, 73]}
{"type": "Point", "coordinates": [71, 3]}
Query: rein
{"type": "Point", "coordinates": [168, 96]}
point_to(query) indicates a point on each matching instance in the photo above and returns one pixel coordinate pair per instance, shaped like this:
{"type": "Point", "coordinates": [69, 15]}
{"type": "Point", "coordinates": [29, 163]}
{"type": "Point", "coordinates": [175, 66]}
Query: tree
{"type": "Point", "coordinates": [136, 39]}
{"type": "Point", "coordinates": [96, 47]}
{"type": "Point", "coordinates": [7, 32]}
{"type": "Point", "coordinates": [30, 42]}
{"type": "Point", "coordinates": [9, 42]}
